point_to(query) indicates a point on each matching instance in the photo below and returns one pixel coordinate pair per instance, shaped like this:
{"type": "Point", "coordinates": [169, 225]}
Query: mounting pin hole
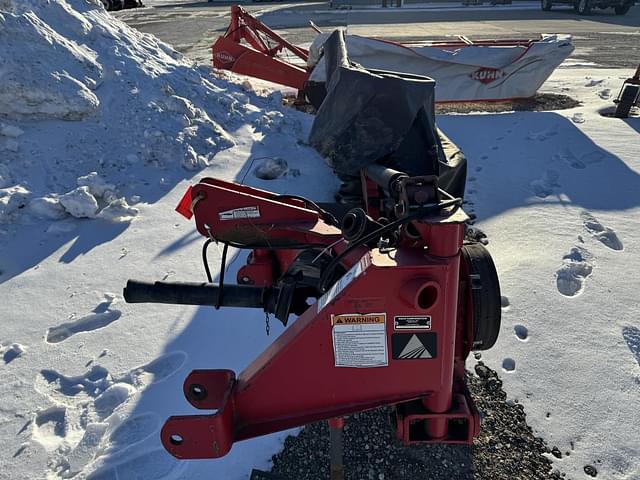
{"type": "Point", "coordinates": [427, 297]}
{"type": "Point", "coordinates": [412, 231]}
{"type": "Point", "coordinates": [176, 439]}
{"type": "Point", "coordinates": [197, 392]}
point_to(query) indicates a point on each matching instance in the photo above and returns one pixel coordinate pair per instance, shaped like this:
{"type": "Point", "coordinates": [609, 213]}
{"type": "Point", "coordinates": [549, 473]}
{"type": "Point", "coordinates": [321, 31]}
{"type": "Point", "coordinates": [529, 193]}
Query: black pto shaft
{"type": "Point", "coordinates": [186, 293]}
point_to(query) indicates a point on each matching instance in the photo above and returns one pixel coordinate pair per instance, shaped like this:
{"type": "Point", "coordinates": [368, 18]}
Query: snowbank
{"type": "Point", "coordinates": [83, 94]}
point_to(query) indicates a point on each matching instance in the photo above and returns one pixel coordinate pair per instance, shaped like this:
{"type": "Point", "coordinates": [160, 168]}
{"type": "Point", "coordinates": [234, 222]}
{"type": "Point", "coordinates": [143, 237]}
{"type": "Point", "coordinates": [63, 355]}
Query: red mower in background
{"type": "Point", "coordinates": [465, 70]}
{"type": "Point", "coordinates": [259, 57]}
{"type": "Point", "coordinates": [390, 301]}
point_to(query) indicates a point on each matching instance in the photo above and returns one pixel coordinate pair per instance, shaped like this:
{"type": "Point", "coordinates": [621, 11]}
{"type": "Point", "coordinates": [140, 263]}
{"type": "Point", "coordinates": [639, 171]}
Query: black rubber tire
{"type": "Point", "coordinates": [622, 9]}
{"type": "Point", "coordinates": [117, 4]}
{"type": "Point", "coordinates": [583, 7]}
{"type": "Point", "coordinates": [546, 5]}
{"type": "Point", "coordinates": [486, 302]}
{"type": "Point", "coordinates": [627, 100]}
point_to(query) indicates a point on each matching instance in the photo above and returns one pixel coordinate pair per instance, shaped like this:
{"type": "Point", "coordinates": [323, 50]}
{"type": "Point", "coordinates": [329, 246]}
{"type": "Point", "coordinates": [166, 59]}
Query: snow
{"type": "Point", "coordinates": [80, 203]}
{"type": "Point", "coordinates": [99, 139]}
{"type": "Point", "coordinates": [113, 124]}
{"type": "Point", "coordinates": [558, 195]}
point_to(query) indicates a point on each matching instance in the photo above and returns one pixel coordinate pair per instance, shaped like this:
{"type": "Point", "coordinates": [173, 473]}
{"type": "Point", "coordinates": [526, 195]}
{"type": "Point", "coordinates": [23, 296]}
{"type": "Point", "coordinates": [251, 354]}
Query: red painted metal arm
{"type": "Point", "coordinates": [257, 60]}
{"type": "Point", "coordinates": [248, 25]}
{"type": "Point", "coordinates": [239, 214]}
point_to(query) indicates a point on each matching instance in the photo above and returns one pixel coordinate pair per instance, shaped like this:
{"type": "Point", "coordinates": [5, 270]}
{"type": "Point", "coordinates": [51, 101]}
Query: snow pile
{"type": "Point", "coordinates": [87, 104]}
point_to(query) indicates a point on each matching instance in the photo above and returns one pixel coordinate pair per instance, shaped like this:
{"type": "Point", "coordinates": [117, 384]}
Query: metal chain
{"type": "Point", "coordinates": [266, 322]}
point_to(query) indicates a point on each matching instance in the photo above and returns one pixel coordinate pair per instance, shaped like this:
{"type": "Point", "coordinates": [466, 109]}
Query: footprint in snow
{"type": "Point", "coordinates": [594, 83]}
{"type": "Point", "coordinates": [567, 156]}
{"type": "Point", "coordinates": [521, 332]}
{"type": "Point", "coordinates": [605, 94]}
{"type": "Point", "coordinates": [504, 303]}
{"type": "Point", "coordinates": [542, 135]}
{"type": "Point", "coordinates": [90, 405]}
{"type": "Point", "coordinates": [577, 118]}
{"type": "Point", "coordinates": [577, 266]}
{"type": "Point", "coordinates": [607, 236]}
{"type": "Point", "coordinates": [11, 351]}
{"type": "Point", "coordinates": [125, 435]}
{"type": "Point", "coordinates": [102, 316]}
{"type": "Point", "coordinates": [153, 465]}
{"type": "Point", "coordinates": [545, 186]}
{"type": "Point", "coordinates": [50, 427]}
{"type": "Point", "coordinates": [631, 335]}
{"type": "Point", "coordinates": [509, 365]}
{"type": "Point", "coordinates": [133, 430]}
{"type": "Point", "coordinates": [98, 383]}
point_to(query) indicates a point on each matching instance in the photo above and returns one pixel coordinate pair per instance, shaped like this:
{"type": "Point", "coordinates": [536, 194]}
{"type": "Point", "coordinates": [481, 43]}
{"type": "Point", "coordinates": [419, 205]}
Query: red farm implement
{"type": "Point", "coordinates": [260, 57]}
{"type": "Point", "coordinates": [465, 70]}
{"type": "Point", "coordinates": [399, 302]}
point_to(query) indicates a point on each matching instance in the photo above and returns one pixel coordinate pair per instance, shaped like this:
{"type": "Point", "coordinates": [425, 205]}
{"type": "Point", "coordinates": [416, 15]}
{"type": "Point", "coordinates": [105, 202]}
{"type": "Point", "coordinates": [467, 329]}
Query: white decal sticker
{"type": "Point", "coordinates": [346, 279]}
{"type": "Point", "coordinates": [240, 213]}
{"type": "Point", "coordinates": [360, 340]}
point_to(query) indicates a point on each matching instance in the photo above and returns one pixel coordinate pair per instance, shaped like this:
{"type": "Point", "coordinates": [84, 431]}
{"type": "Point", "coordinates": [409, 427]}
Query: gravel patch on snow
{"type": "Point", "coordinates": [541, 102]}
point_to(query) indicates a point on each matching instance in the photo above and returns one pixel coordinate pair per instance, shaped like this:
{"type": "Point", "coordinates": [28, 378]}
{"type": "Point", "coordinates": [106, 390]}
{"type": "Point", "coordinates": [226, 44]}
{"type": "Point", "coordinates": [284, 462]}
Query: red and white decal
{"type": "Point", "coordinates": [487, 75]}
{"type": "Point", "coordinates": [224, 57]}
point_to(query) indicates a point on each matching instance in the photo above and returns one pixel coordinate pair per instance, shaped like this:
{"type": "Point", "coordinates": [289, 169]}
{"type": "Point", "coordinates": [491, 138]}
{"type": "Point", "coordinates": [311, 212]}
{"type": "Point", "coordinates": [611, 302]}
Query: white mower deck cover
{"type": "Point", "coordinates": [468, 73]}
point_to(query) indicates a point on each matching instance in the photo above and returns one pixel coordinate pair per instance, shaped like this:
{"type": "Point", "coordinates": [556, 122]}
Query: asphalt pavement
{"type": "Point", "coordinates": [604, 38]}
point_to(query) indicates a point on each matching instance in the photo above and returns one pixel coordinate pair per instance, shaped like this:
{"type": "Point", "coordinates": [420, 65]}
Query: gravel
{"type": "Point", "coordinates": [505, 449]}
{"type": "Point", "coordinates": [541, 102]}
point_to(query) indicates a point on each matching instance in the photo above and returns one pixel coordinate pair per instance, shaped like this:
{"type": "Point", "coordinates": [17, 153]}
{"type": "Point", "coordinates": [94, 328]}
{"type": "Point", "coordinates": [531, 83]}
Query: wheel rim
{"type": "Point", "coordinates": [583, 5]}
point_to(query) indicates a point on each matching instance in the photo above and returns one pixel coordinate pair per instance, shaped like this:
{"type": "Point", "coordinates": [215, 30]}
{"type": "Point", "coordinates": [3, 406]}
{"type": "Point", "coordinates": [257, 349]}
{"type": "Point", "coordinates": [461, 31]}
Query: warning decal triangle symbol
{"type": "Point", "coordinates": [415, 349]}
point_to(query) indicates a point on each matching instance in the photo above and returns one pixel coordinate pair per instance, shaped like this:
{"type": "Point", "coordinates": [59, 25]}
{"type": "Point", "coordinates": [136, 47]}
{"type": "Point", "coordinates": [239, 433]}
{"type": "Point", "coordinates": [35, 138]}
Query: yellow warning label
{"type": "Point", "coordinates": [358, 319]}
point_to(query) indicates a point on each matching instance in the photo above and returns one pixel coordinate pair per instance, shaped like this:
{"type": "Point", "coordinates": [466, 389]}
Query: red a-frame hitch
{"type": "Point", "coordinates": [400, 304]}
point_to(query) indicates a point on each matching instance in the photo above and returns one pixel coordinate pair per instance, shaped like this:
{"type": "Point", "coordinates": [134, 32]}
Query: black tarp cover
{"type": "Point", "coordinates": [382, 117]}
